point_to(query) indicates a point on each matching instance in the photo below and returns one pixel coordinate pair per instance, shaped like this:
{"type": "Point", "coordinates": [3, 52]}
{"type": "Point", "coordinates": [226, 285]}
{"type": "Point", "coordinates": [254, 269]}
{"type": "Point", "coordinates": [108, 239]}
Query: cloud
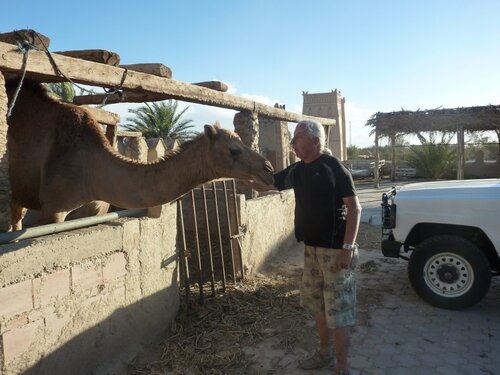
{"type": "Point", "coordinates": [121, 109]}
{"type": "Point", "coordinates": [357, 132]}
{"type": "Point", "coordinates": [260, 99]}
{"type": "Point", "coordinates": [204, 114]}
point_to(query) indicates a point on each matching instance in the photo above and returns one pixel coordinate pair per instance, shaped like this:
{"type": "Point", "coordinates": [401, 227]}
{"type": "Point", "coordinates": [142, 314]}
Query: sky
{"type": "Point", "coordinates": [383, 56]}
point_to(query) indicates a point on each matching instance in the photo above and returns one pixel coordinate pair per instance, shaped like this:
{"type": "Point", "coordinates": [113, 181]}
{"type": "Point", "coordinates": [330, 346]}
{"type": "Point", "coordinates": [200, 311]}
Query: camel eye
{"type": "Point", "coordinates": [235, 152]}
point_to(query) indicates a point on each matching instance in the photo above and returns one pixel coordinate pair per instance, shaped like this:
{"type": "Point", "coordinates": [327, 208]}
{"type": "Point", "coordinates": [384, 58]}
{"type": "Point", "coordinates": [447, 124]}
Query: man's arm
{"type": "Point", "coordinates": [343, 259]}
{"type": "Point", "coordinates": [353, 219]}
{"type": "Point", "coordinates": [259, 187]}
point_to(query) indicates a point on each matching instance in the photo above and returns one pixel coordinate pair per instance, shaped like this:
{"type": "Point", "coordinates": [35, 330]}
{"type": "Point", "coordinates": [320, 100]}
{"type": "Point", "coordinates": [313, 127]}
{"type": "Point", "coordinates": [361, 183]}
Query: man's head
{"type": "Point", "coordinates": [308, 140]}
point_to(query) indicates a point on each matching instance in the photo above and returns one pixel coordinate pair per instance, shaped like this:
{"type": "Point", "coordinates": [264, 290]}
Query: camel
{"type": "Point", "coordinates": [60, 159]}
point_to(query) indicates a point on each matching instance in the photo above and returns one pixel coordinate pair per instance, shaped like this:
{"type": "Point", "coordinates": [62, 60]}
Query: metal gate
{"type": "Point", "coordinates": [209, 238]}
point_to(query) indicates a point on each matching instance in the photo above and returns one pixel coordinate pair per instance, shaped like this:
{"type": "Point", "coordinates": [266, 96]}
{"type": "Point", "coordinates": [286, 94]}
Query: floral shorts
{"type": "Point", "coordinates": [327, 289]}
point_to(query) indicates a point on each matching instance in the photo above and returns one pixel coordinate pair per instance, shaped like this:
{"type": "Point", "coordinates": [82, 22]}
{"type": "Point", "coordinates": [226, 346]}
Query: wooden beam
{"type": "Point", "coordinates": [96, 55]}
{"type": "Point", "coordinates": [159, 70]}
{"type": "Point", "coordinates": [90, 73]}
{"type": "Point", "coordinates": [31, 36]}
{"type": "Point", "coordinates": [122, 97]}
{"type": "Point", "coordinates": [104, 117]}
{"type": "Point", "coordinates": [213, 85]}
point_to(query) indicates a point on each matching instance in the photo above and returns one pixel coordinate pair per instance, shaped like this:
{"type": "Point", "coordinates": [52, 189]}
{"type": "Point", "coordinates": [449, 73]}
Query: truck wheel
{"type": "Point", "coordinates": [449, 272]}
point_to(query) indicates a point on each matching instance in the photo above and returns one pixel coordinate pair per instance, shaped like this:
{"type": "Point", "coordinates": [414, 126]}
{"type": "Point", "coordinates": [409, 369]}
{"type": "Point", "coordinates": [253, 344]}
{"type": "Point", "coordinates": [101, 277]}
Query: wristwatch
{"type": "Point", "coordinates": [350, 247]}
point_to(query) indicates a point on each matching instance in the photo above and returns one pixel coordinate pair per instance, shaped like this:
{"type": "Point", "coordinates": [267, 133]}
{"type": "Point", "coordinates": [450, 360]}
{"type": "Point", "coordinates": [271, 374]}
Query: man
{"type": "Point", "coordinates": [327, 215]}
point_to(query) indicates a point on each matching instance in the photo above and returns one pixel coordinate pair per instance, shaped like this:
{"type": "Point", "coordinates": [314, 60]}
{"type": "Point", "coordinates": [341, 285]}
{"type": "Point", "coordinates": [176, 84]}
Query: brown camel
{"type": "Point", "coordinates": [60, 160]}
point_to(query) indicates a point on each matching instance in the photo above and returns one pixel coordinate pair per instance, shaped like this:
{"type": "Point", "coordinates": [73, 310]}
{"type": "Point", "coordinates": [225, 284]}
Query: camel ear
{"type": "Point", "coordinates": [210, 131]}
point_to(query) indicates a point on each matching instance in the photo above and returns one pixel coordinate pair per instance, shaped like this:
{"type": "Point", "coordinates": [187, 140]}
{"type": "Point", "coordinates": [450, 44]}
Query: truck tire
{"type": "Point", "coordinates": [449, 272]}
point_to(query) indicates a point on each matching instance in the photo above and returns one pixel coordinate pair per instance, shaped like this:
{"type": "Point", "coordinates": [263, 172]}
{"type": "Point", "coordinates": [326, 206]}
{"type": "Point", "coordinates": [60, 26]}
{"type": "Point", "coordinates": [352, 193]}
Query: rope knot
{"type": "Point", "coordinates": [25, 46]}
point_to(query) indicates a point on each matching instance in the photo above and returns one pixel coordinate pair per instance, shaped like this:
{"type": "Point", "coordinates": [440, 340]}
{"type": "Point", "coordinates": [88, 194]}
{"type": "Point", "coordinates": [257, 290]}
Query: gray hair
{"type": "Point", "coordinates": [316, 130]}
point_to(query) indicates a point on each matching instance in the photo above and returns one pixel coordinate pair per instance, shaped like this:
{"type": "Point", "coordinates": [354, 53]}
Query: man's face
{"type": "Point", "coordinates": [303, 143]}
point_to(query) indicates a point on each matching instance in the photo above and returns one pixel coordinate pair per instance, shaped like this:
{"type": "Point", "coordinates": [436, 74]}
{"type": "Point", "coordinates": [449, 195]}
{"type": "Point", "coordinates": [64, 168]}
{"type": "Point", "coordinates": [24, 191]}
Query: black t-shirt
{"type": "Point", "coordinates": [319, 209]}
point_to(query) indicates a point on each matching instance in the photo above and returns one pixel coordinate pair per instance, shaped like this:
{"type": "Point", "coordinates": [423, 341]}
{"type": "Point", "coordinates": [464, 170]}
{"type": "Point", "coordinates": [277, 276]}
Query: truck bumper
{"type": "Point", "coordinates": [391, 248]}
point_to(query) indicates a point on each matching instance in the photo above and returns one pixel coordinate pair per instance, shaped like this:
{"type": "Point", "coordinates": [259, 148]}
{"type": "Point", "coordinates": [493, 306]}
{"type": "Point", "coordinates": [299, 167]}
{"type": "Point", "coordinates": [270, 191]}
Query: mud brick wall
{"type": "Point", "coordinates": [4, 163]}
{"type": "Point", "coordinates": [268, 224]}
{"type": "Point", "coordinates": [89, 299]}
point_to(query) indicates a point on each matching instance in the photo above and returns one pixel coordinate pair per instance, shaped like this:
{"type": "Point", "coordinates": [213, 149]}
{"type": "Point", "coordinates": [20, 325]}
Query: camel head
{"type": "Point", "coordinates": [229, 157]}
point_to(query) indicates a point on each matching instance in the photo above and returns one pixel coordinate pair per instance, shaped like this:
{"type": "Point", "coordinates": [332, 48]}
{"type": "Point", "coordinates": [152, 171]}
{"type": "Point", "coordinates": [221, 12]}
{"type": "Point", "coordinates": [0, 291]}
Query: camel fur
{"type": "Point", "coordinates": [60, 160]}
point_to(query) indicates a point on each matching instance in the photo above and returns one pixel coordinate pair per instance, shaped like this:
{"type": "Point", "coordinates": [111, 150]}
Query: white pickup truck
{"type": "Point", "coordinates": [452, 229]}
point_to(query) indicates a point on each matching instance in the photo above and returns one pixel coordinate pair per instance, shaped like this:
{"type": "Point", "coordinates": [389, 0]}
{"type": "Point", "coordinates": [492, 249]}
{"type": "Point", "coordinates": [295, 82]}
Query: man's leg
{"type": "Point", "coordinates": [322, 357]}
{"type": "Point", "coordinates": [310, 298]}
{"type": "Point", "coordinates": [325, 334]}
{"type": "Point", "coordinates": [341, 340]}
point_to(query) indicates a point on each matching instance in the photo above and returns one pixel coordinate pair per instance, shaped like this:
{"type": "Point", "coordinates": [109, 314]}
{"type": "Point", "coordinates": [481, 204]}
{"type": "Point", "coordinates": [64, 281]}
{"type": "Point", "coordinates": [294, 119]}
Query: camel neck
{"type": "Point", "coordinates": [137, 184]}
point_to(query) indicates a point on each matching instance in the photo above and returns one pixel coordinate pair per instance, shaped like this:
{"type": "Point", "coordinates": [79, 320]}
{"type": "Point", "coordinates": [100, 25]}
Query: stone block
{"type": "Point", "coordinates": [19, 340]}
{"type": "Point", "coordinates": [86, 276]}
{"type": "Point", "coordinates": [58, 251]}
{"type": "Point", "coordinates": [51, 286]}
{"type": "Point", "coordinates": [54, 325]}
{"type": "Point", "coordinates": [18, 321]}
{"type": "Point", "coordinates": [16, 299]}
{"type": "Point", "coordinates": [114, 266]}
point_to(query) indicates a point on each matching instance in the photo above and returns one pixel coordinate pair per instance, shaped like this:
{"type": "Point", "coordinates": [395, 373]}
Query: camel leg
{"type": "Point", "coordinates": [94, 208]}
{"type": "Point", "coordinates": [17, 213]}
{"type": "Point", "coordinates": [49, 217]}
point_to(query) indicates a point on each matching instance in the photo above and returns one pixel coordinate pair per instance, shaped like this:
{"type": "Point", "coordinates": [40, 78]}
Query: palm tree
{"type": "Point", "coordinates": [432, 159]}
{"type": "Point", "coordinates": [160, 119]}
{"type": "Point", "coordinates": [64, 91]}
{"type": "Point", "coordinates": [353, 152]}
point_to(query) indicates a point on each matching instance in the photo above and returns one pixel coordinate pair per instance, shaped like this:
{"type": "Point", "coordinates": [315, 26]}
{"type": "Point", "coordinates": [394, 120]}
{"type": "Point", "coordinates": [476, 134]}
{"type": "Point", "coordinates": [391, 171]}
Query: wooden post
{"type": "Point", "coordinates": [26, 35]}
{"type": "Point", "coordinates": [111, 135]}
{"type": "Point", "coordinates": [96, 55]}
{"type": "Point", "coordinates": [460, 153]}
{"type": "Point", "coordinates": [246, 124]}
{"type": "Point", "coordinates": [375, 171]}
{"type": "Point", "coordinates": [5, 193]}
{"type": "Point", "coordinates": [159, 70]}
{"type": "Point", "coordinates": [393, 157]}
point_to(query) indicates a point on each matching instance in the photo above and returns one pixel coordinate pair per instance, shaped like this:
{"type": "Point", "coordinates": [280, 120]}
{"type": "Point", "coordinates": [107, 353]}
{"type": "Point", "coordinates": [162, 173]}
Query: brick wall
{"type": "Point", "coordinates": [4, 164]}
{"type": "Point", "coordinates": [73, 301]}
{"type": "Point", "coordinates": [88, 300]}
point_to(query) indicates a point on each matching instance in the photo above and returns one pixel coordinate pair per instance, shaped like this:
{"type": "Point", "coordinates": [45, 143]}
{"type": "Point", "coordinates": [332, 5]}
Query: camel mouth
{"type": "Point", "coordinates": [264, 178]}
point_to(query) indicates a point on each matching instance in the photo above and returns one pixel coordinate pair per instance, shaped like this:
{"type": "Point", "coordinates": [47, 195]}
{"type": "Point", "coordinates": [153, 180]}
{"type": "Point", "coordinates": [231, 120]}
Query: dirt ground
{"type": "Point", "coordinates": [256, 327]}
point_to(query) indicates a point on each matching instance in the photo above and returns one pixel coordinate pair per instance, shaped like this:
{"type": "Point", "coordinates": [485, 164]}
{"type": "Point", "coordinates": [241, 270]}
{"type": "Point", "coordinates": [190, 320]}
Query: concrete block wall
{"type": "Point", "coordinates": [267, 223]}
{"type": "Point", "coordinates": [87, 300]}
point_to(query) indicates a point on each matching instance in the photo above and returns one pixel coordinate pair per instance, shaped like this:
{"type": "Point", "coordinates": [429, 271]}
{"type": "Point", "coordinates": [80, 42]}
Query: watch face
{"type": "Point", "coordinates": [347, 246]}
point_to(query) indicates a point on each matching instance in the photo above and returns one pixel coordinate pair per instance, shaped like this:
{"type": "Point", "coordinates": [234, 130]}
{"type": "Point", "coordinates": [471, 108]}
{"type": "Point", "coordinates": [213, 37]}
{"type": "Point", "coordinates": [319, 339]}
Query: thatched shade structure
{"type": "Point", "coordinates": [454, 120]}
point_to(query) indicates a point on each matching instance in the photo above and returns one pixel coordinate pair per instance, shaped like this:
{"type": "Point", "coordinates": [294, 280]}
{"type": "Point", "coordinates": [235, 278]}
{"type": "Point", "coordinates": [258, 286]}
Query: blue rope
{"type": "Point", "coordinates": [24, 47]}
